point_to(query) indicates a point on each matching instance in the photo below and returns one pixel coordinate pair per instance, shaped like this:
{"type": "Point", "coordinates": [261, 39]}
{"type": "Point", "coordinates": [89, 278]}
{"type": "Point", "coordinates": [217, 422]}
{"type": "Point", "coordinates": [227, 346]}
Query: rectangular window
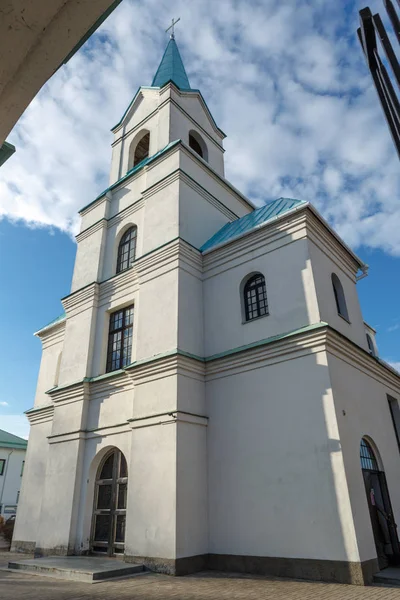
{"type": "Point", "coordinates": [2, 465]}
{"type": "Point", "coordinates": [22, 467]}
{"type": "Point", "coordinates": [120, 339]}
{"type": "Point", "coordinates": [395, 414]}
{"type": "Point", "coordinates": [17, 497]}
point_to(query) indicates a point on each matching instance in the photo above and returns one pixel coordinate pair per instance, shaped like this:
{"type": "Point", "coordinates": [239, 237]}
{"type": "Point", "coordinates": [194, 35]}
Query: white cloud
{"type": "Point", "coordinates": [3, 403]}
{"type": "Point", "coordinates": [285, 80]}
{"type": "Point", "coordinates": [15, 424]}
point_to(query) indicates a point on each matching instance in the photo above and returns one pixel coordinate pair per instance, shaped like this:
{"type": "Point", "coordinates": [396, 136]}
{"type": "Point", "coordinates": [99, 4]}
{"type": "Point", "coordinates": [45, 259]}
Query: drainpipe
{"type": "Point", "coordinates": [5, 477]}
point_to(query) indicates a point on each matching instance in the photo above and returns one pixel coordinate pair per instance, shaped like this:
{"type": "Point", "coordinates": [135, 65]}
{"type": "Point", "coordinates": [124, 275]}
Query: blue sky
{"type": "Point", "coordinates": [285, 79]}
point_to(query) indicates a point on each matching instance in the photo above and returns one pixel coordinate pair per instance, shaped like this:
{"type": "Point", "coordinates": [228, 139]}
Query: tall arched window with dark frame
{"type": "Point", "coordinates": [127, 249]}
{"type": "Point", "coordinates": [339, 297]}
{"type": "Point", "coordinates": [255, 297]}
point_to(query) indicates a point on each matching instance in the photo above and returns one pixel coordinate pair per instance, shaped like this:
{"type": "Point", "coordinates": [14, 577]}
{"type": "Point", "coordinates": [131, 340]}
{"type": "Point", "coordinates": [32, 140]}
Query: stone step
{"type": "Point", "coordinates": [88, 569]}
{"type": "Point", "coordinates": [389, 576]}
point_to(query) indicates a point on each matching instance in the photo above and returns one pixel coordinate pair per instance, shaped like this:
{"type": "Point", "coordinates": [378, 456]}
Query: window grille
{"type": "Point", "coordinates": [255, 297]}
{"type": "Point", "coordinates": [120, 339]}
{"type": "Point", "coordinates": [367, 457]}
{"type": "Point", "coordinates": [127, 250]}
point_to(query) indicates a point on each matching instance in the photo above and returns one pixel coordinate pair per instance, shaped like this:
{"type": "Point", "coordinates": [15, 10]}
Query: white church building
{"type": "Point", "coordinates": [211, 398]}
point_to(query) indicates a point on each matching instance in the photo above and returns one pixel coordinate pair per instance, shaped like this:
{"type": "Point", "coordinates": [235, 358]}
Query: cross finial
{"type": "Point", "coordinates": [172, 27]}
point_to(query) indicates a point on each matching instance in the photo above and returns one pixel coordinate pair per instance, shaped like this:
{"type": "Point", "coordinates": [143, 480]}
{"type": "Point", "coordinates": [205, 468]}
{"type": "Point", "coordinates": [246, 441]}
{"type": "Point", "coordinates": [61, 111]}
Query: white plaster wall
{"type": "Point", "coordinates": [323, 267]}
{"type": "Point", "coordinates": [161, 217]}
{"type": "Point", "coordinates": [216, 186]}
{"type": "Point", "coordinates": [32, 488]}
{"type": "Point", "coordinates": [77, 348]}
{"type": "Point", "coordinates": [10, 481]}
{"type": "Point", "coordinates": [291, 299]}
{"type": "Point", "coordinates": [60, 496]}
{"type": "Point", "coordinates": [363, 400]}
{"type": "Point", "coordinates": [151, 529]}
{"type": "Point", "coordinates": [190, 324]}
{"type": "Point", "coordinates": [198, 218]}
{"type": "Point", "coordinates": [88, 261]}
{"type": "Point", "coordinates": [94, 213]}
{"type": "Point", "coordinates": [179, 130]}
{"type": "Point", "coordinates": [191, 104]}
{"type": "Point", "coordinates": [273, 484]}
{"type": "Point", "coordinates": [191, 490]}
{"type": "Point", "coordinates": [48, 371]}
{"type": "Point", "coordinates": [157, 315]}
{"type": "Point", "coordinates": [110, 407]}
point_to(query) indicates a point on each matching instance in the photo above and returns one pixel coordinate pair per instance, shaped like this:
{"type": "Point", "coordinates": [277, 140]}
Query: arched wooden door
{"type": "Point", "coordinates": [109, 511]}
{"type": "Point", "coordinates": [380, 509]}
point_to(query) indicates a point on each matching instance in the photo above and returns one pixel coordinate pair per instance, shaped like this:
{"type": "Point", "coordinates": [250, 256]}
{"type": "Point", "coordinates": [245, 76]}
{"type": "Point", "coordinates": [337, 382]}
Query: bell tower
{"type": "Point", "coordinates": [168, 110]}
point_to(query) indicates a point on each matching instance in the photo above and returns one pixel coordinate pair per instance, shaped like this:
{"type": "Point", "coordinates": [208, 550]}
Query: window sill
{"type": "Point", "coordinates": [255, 319]}
{"type": "Point", "coordinates": [344, 318]}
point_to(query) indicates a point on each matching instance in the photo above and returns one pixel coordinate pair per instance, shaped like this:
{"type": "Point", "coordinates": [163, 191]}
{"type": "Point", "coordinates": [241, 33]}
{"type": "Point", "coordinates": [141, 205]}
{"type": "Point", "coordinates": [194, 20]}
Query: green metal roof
{"type": "Point", "coordinates": [171, 68]}
{"type": "Point", "coordinates": [255, 219]}
{"type": "Point", "coordinates": [53, 322]}
{"type": "Point", "coordinates": [8, 440]}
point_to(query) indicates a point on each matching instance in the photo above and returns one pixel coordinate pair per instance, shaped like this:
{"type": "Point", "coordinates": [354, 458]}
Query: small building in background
{"type": "Point", "coordinates": [12, 461]}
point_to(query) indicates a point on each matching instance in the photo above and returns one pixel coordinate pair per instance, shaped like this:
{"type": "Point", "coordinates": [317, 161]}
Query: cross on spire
{"type": "Point", "coordinates": [172, 27]}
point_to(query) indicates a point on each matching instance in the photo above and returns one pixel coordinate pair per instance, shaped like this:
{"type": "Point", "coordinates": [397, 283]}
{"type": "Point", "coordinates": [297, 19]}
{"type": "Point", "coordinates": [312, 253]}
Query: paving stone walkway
{"type": "Point", "coordinates": [204, 586]}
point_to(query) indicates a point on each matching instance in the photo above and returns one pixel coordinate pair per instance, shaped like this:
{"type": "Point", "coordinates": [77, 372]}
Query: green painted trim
{"type": "Point", "coordinates": [38, 408]}
{"type": "Point", "coordinates": [266, 341]}
{"type": "Point", "coordinates": [79, 290]}
{"type": "Point", "coordinates": [109, 375]}
{"type": "Point", "coordinates": [6, 150]}
{"type": "Point", "coordinates": [13, 445]}
{"type": "Point", "coordinates": [91, 31]}
{"type": "Point", "coordinates": [93, 224]}
{"type": "Point", "coordinates": [128, 109]}
{"type": "Point", "coordinates": [131, 172]}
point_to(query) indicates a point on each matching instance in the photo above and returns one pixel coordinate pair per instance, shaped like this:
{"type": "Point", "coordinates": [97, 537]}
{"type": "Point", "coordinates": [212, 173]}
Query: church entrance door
{"type": "Point", "coordinates": [380, 509]}
{"type": "Point", "coordinates": [109, 512]}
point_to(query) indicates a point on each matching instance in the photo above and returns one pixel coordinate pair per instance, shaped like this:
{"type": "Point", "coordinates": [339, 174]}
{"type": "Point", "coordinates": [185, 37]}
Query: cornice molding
{"type": "Point", "coordinates": [81, 299]}
{"type": "Point", "coordinates": [322, 237]}
{"type": "Point", "coordinates": [53, 335]}
{"type": "Point", "coordinates": [40, 414]}
{"type": "Point", "coordinates": [98, 226]}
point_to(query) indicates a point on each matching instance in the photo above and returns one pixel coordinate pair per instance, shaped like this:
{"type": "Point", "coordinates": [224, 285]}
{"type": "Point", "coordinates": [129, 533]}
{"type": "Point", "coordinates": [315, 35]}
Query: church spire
{"type": "Point", "coordinates": [171, 68]}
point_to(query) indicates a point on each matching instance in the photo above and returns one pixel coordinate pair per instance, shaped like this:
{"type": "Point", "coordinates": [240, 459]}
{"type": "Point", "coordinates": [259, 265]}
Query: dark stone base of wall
{"type": "Point", "coordinates": [171, 566]}
{"type": "Point", "coordinates": [297, 568]}
{"type": "Point", "coordinates": [23, 547]}
{"type": "Point", "coordinates": [56, 551]}
{"type": "Point", "coordinates": [335, 571]}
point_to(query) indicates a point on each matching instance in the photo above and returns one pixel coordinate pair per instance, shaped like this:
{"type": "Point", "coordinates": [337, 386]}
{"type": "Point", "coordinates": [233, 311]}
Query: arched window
{"type": "Point", "coordinates": [367, 457]}
{"type": "Point", "coordinates": [142, 149]}
{"type": "Point", "coordinates": [197, 144]}
{"type": "Point", "coordinates": [339, 297]}
{"type": "Point", "coordinates": [255, 297]}
{"type": "Point", "coordinates": [371, 346]}
{"type": "Point", "coordinates": [127, 249]}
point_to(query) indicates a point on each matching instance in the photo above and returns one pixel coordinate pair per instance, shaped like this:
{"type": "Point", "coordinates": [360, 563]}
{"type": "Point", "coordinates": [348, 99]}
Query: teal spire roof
{"type": "Point", "coordinates": [171, 68]}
